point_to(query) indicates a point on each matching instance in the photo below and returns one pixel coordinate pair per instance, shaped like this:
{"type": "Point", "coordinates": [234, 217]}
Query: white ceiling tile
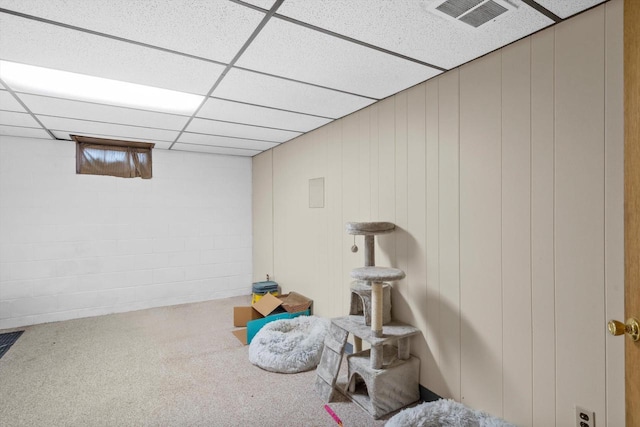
{"type": "Point", "coordinates": [225, 141]}
{"type": "Point", "coordinates": [565, 9]}
{"type": "Point", "coordinates": [23, 132]}
{"type": "Point", "coordinates": [416, 29]}
{"type": "Point", "coordinates": [243, 113]}
{"type": "Point", "coordinates": [296, 52]}
{"type": "Point", "coordinates": [121, 131]}
{"type": "Point", "coordinates": [14, 118]}
{"type": "Point", "coordinates": [66, 135]}
{"type": "Point", "coordinates": [215, 150]}
{"type": "Point", "coordinates": [34, 43]}
{"type": "Point", "coordinates": [102, 113]}
{"type": "Point", "coordinates": [255, 88]}
{"type": "Point", "coordinates": [265, 4]}
{"type": "Point", "coordinates": [9, 103]}
{"type": "Point", "coordinates": [213, 127]}
{"type": "Point", "coordinates": [208, 29]}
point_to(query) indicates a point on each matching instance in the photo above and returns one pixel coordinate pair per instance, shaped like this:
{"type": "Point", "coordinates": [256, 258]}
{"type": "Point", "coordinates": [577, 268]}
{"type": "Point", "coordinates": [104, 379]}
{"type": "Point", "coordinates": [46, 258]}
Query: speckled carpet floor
{"type": "Point", "coordinates": [170, 366]}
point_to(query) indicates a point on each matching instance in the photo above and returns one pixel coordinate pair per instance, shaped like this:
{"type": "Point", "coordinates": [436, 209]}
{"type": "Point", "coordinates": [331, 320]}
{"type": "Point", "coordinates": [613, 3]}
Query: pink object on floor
{"type": "Point", "coordinates": [333, 415]}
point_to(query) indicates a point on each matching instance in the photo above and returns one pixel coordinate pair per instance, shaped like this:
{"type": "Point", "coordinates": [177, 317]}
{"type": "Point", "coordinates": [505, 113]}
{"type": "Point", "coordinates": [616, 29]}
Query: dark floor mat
{"type": "Point", "coordinates": [7, 340]}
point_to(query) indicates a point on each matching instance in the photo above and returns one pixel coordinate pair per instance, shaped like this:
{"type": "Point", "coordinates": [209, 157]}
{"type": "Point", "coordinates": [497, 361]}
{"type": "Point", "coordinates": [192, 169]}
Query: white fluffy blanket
{"type": "Point", "coordinates": [444, 413]}
{"type": "Point", "coordinates": [289, 345]}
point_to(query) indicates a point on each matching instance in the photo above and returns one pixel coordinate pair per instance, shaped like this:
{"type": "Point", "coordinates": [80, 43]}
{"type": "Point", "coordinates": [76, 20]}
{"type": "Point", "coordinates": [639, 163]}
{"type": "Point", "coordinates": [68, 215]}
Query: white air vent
{"type": "Point", "coordinates": [483, 13]}
{"type": "Point", "coordinates": [455, 8]}
{"type": "Point", "coordinates": [473, 12]}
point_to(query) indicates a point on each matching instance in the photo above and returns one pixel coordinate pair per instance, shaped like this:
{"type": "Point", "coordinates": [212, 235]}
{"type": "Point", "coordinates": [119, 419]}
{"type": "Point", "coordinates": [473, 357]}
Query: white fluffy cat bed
{"type": "Point", "coordinates": [289, 345]}
{"type": "Point", "coordinates": [444, 413]}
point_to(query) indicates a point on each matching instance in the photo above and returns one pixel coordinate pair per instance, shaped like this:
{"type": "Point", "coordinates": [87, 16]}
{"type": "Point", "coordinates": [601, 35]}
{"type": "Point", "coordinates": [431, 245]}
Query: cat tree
{"type": "Point", "coordinates": [383, 378]}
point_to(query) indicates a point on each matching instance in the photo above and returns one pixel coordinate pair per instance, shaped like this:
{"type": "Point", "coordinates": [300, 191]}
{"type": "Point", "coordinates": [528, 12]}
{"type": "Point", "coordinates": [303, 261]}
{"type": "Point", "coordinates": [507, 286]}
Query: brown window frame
{"type": "Point", "coordinates": [137, 161]}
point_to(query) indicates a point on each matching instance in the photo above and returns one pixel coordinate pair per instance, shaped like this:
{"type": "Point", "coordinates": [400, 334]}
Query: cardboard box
{"type": "Point", "coordinates": [241, 334]}
{"type": "Point", "coordinates": [266, 310]}
{"type": "Point", "coordinates": [242, 315]}
{"type": "Point", "coordinates": [294, 302]}
{"type": "Point", "coordinates": [267, 305]}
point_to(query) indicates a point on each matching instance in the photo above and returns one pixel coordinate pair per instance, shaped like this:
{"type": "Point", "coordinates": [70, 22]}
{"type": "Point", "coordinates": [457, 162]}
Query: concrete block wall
{"type": "Point", "coordinates": [78, 245]}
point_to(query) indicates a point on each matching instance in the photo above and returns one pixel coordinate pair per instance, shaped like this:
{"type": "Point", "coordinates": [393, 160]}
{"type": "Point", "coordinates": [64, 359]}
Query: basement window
{"type": "Point", "coordinates": [124, 159]}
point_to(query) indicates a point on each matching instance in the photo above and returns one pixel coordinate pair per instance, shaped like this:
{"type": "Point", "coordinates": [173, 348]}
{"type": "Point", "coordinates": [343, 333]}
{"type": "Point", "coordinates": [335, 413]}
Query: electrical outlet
{"type": "Point", "coordinates": [585, 417]}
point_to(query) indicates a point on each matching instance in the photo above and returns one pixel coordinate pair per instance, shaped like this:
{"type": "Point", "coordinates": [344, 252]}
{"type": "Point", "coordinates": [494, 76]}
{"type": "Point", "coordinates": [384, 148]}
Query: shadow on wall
{"type": "Point", "coordinates": [439, 346]}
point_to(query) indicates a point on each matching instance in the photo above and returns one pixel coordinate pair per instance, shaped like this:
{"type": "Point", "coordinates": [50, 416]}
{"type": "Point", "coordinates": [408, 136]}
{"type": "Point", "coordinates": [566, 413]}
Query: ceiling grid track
{"type": "Point", "coordinates": [271, 108]}
{"type": "Point", "coordinates": [546, 12]}
{"type": "Point", "coordinates": [305, 83]}
{"type": "Point", "coordinates": [229, 66]}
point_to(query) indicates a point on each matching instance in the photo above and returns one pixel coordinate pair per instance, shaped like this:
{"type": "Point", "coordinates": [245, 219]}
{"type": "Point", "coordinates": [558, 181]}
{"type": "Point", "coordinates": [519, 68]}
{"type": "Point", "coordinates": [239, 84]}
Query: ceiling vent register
{"type": "Point", "coordinates": [472, 12]}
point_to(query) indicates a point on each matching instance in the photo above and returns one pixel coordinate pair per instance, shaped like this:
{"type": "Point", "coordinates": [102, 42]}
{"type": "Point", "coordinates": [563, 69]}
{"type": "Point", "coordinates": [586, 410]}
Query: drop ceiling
{"type": "Point", "coordinates": [265, 71]}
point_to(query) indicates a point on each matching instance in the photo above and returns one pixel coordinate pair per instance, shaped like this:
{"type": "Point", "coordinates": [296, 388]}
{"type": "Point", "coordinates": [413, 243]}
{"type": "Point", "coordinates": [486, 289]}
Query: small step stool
{"type": "Point", "coordinates": [329, 366]}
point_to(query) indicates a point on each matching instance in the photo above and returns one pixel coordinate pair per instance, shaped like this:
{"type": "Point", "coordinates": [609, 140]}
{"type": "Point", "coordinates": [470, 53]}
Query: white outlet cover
{"type": "Point", "coordinates": [585, 417]}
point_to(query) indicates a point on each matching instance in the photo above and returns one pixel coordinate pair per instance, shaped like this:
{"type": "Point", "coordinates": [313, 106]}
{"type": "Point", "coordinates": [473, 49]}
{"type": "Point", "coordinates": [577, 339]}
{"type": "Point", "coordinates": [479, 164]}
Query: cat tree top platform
{"type": "Point", "coordinates": [377, 274]}
{"type": "Point", "coordinates": [369, 228]}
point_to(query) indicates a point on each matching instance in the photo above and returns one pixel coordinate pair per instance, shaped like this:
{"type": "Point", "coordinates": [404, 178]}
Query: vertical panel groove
{"type": "Point", "coordinates": [604, 207]}
{"type": "Point", "coordinates": [459, 247]}
{"type": "Point", "coordinates": [273, 216]}
{"type": "Point", "coordinates": [502, 226]}
{"type": "Point", "coordinates": [555, 292]}
{"type": "Point", "coordinates": [531, 230]}
{"type": "Point", "coordinates": [555, 240]}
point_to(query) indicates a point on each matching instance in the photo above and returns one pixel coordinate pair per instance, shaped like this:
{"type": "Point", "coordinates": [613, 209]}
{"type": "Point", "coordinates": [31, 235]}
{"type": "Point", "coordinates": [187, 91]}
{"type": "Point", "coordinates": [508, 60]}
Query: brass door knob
{"type": "Point", "coordinates": [632, 327]}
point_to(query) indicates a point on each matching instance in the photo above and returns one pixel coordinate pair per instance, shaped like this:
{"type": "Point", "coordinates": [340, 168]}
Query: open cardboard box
{"type": "Point", "coordinates": [268, 309]}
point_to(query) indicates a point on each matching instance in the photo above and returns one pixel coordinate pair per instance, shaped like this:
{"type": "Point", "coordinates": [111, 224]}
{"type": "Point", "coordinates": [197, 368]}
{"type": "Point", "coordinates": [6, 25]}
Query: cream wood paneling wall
{"type": "Point", "coordinates": [579, 211]}
{"type": "Point", "coordinates": [504, 179]}
{"type": "Point", "coordinates": [481, 302]}
{"type": "Point", "coordinates": [516, 232]}
{"type": "Point", "coordinates": [542, 230]}
{"type": "Point", "coordinates": [614, 203]}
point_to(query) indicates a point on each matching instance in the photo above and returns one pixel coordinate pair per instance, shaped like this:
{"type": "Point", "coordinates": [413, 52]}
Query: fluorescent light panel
{"type": "Point", "coordinates": [45, 81]}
